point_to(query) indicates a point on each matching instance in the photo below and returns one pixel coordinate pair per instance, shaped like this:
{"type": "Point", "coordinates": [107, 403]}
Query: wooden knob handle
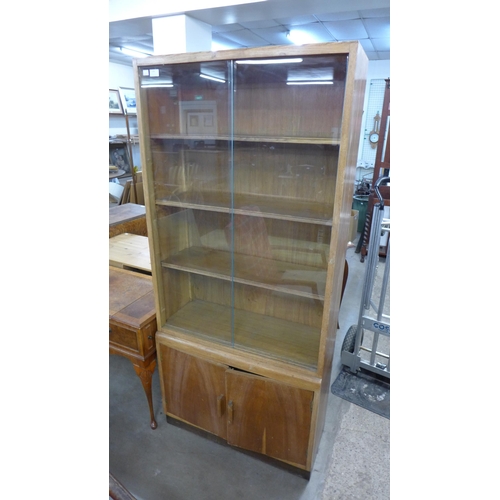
{"type": "Point", "coordinates": [220, 405]}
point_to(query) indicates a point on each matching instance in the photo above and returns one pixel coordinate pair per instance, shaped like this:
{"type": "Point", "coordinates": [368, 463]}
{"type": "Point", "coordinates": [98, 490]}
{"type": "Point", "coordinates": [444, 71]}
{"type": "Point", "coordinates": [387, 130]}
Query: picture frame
{"type": "Point", "coordinates": [128, 100]}
{"type": "Point", "coordinates": [119, 156]}
{"type": "Point", "coordinates": [115, 105]}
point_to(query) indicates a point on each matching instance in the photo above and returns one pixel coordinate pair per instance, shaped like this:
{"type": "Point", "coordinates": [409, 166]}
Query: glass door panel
{"type": "Point", "coordinates": [188, 109]}
{"type": "Point", "coordinates": [244, 161]}
{"type": "Point", "coordinates": [285, 159]}
{"type": "Point", "coordinates": [286, 98]}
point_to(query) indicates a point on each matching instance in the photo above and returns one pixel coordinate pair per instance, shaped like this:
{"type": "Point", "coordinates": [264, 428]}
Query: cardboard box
{"type": "Point", "coordinates": [353, 228]}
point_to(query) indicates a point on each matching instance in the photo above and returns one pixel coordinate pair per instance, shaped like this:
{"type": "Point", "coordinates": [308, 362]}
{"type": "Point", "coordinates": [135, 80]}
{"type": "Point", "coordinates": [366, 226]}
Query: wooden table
{"type": "Point", "coordinates": [130, 251]}
{"type": "Point", "coordinates": [113, 174]}
{"type": "Point", "coordinates": [127, 218]}
{"type": "Point", "coordinates": [132, 325]}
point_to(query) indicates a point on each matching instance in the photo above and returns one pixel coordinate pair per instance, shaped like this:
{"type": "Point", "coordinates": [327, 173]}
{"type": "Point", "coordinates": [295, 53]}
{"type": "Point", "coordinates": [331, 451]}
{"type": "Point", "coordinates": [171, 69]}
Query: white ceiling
{"type": "Point", "coordinates": [267, 23]}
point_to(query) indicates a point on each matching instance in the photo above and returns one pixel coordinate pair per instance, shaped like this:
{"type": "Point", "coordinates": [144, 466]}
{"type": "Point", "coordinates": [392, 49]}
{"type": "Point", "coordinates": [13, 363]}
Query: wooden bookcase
{"type": "Point", "coordinates": [248, 185]}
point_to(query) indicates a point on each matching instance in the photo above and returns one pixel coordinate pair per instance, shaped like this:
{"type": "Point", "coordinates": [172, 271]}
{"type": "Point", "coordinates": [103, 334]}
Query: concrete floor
{"type": "Point", "coordinates": [172, 463]}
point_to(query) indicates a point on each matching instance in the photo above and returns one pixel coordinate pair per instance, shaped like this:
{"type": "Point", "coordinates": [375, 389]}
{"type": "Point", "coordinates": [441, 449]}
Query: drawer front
{"type": "Point", "coordinates": [148, 337]}
{"type": "Point", "coordinates": [124, 337]}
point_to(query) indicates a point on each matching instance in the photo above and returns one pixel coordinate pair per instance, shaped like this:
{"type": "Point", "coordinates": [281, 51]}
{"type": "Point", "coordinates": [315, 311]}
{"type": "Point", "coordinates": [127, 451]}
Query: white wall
{"type": "Point", "coordinates": [120, 75]}
{"type": "Point", "coordinates": [377, 70]}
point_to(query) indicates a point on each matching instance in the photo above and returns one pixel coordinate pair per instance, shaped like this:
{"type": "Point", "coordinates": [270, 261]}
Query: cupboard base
{"type": "Point", "coordinates": [261, 414]}
{"type": "Point", "coordinates": [221, 442]}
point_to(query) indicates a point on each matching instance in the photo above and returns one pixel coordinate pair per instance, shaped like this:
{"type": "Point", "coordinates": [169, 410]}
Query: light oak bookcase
{"type": "Point", "coordinates": [249, 162]}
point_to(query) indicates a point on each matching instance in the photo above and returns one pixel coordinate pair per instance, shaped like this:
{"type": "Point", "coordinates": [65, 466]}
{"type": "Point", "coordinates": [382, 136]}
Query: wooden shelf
{"type": "Point", "coordinates": [243, 138]}
{"type": "Point", "coordinates": [273, 207]}
{"type": "Point", "coordinates": [272, 337]}
{"type": "Point", "coordinates": [279, 276]}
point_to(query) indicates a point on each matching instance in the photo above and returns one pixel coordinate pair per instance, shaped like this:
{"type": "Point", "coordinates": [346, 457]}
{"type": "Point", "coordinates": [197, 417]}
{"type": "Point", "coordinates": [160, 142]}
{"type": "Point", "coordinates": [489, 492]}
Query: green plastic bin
{"type": "Point", "coordinates": [360, 203]}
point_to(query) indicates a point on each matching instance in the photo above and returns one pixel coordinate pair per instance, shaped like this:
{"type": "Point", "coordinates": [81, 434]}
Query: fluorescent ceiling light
{"type": "Point", "coordinates": [299, 37]}
{"type": "Point", "coordinates": [132, 53]}
{"type": "Point", "coordinates": [270, 61]}
{"type": "Point", "coordinates": [214, 78]}
{"type": "Point", "coordinates": [221, 46]}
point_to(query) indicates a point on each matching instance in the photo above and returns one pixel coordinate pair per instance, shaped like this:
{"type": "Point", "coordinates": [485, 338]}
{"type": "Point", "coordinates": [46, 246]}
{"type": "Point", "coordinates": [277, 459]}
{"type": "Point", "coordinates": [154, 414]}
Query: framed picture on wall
{"type": "Point", "coordinates": [119, 157]}
{"type": "Point", "coordinates": [115, 106]}
{"type": "Point", "coordinates": [128, 100]}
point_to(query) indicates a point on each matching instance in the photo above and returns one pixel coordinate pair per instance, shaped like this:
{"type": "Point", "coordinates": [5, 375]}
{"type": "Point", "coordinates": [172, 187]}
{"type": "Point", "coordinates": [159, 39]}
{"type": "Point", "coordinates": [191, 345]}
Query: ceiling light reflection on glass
{"type": "Point", "coordinates": [132, 53]}
{"type": "Point", "coordinates": [270, 61]}
{"type": "Point", "coordinates": [310, 76]}
{"type": "Point", "coordinates": [154, 84]}
{"type": "Point", "coordinates": [214, 78]}
{"type": "Point", "coordinates": [312, 82]}
{"type": "Point", "coordinates": [156, 77]}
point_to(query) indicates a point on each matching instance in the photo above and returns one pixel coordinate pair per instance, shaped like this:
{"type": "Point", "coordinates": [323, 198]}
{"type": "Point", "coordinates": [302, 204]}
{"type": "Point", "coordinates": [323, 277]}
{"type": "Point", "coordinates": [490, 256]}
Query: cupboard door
{"type": "Point", "coordinates": [194, 390]}
{"type": "Point", "coordinates": [268, 417]}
